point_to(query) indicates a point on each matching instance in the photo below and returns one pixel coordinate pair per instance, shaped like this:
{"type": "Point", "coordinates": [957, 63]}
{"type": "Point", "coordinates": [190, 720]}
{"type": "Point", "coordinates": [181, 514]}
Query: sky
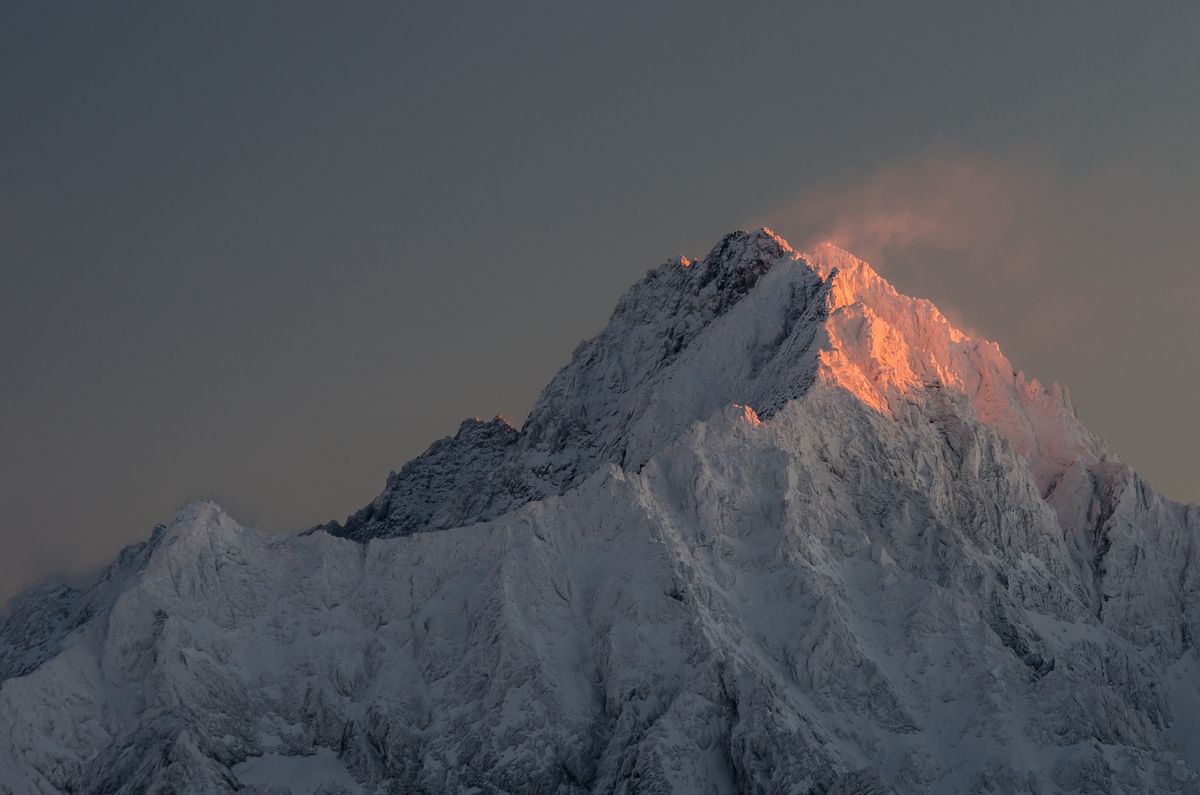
{"type": "Point", "coordinates": [266, 252]}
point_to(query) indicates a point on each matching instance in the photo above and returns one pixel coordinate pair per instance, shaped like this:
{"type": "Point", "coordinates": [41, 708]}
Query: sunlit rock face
{"type": "Point", "coordinates": [777, 528]}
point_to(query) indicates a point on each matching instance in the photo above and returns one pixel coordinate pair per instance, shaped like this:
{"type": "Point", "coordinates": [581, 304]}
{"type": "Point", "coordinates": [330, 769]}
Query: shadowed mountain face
{"type": "Point", "coordinates": [777, 528]}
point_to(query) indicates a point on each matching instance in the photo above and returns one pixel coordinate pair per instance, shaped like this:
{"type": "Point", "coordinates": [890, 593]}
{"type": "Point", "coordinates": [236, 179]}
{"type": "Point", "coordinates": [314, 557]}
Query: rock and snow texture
{"type": "Point", "coordinates": [775, 529]}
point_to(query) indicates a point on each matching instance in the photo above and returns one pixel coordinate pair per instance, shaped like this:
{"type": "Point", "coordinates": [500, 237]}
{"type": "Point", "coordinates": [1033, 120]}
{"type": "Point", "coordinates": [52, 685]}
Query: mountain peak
{"type": "Point", "coordinates": [754, 323]}
{"type": "Point", "coordinates": [740, 258]}
{"type": "Point", "coordinates": [741, 248]}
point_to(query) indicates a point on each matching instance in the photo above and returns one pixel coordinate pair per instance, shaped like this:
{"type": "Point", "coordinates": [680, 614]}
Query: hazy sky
{"type": "Point", "coordinates": [266, 252]}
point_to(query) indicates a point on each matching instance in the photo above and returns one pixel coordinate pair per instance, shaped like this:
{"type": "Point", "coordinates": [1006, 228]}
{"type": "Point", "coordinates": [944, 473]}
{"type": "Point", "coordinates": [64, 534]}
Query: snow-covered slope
{"type": "Point", "coordinates": [777, 528]}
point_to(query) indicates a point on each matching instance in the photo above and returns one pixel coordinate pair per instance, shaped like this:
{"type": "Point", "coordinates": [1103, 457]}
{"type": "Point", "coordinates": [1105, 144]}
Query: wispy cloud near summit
{"type": "Point", "coordinates": [939, 201]}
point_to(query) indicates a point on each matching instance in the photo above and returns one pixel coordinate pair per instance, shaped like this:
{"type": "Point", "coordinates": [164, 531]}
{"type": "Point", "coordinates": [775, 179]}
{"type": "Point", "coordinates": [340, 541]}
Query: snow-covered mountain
{"type": "Point", "coordinates": [777, 528]}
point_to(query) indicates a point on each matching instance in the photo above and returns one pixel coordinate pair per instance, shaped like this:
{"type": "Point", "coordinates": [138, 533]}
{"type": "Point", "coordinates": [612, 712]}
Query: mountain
{"type": "Point", "coordinates": [777, 528]}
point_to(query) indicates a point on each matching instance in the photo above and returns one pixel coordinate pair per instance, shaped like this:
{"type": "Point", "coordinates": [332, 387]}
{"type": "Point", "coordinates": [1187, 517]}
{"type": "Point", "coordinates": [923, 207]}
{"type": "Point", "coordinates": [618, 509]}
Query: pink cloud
{"type": "Point", "coordinates": [943, 201]}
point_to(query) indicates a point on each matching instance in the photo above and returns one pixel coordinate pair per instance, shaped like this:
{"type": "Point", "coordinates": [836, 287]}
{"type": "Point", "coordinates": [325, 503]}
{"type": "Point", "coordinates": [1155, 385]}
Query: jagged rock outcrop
{"type": "Point", "coordinates": [777, 528]}
{"type": "Point", "coordinates": [452, 483]}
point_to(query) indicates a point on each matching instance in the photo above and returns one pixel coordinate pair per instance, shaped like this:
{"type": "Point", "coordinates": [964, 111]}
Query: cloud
{"type": "Point", "coordinates": [943, 201]}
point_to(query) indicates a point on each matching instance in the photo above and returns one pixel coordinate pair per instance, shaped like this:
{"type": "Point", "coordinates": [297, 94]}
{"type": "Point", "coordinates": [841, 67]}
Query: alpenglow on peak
{"type": "Point", "coordinates": [753, 323]}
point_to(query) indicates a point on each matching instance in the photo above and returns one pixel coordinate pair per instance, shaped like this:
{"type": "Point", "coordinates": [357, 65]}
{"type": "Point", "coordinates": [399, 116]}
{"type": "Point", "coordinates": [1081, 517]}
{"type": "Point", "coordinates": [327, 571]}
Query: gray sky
{"type": "Point", "coordinates": [266, 252]}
